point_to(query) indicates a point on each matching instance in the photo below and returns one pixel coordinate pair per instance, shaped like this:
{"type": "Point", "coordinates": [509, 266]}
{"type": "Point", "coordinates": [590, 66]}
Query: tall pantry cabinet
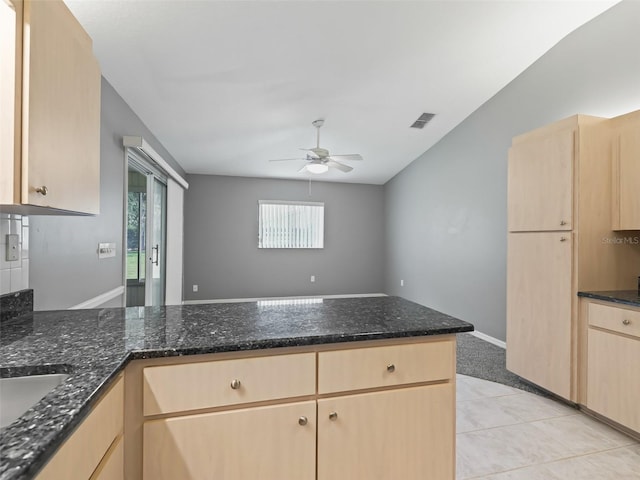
{"type": "Point", "coordinates": [559, 221]}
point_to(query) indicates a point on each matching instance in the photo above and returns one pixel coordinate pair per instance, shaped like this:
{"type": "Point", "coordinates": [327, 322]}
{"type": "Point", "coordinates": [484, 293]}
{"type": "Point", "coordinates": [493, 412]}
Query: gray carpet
{"type": "Point", "coordinates": [481, 359]}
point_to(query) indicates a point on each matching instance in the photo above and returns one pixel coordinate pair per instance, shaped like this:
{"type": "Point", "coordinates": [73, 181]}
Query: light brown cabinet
{"type": "Point", "coordinates": [53, 139]}
{"type": "Point", "coordinates": [112, 466]}
{"type": "Point", "coordinates": [540, 182]}
{"type": "Point", "coordinates": [406, 433]}
{"type": "Point", "coordinates": [613, 354]}
{"type": "Point", "coordinates": [191, 386]}
{"type": "Point", "coordinates": [344, 411]}
{"type": "Point", "coordinates": [626, 172]}
{"type": "Point", "coordinates": [559, 242]}
{"type": "Point", "coordinates": [94, 450]}
{"type": "Point", "coordinates": [271, 443]}
{"type": "Point", "coordinates": [539, 308]}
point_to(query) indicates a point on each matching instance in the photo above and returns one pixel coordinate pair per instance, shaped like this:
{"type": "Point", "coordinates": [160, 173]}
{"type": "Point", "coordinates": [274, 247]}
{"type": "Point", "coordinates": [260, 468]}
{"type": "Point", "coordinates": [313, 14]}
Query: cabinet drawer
{"type": "Point", "coordinates": [356, 369]}
{"type": "Point", "coordinates": [177, 388]}
{"type": "Point", "coordinates": [79, 456]}
{"type": "Point", "coordinates": [617, 319]}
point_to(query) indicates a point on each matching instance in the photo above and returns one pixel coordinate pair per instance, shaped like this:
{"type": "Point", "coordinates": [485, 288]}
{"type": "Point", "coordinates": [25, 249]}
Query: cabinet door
{"type": "Point", "coordinates": [626, 178]}
{"type": "Point", "coordinates": [539, 309]}
{"type": "Point", "coordinates": [613, 382]}
{"type": "Point", "coordinates": [540, 183]}
{"type": "Point", "coordinates": [112, 465]}
{"type": "Point", "coordinates": [61, 111]}
{"type": "Point", "coordinates": [82, 452]}
{"type": "Point", "coordinates": [269, 443]}
{"type": "Point", "coordinates": [10, 104]}
{"type": "Point", "coordinates": [406, 434]}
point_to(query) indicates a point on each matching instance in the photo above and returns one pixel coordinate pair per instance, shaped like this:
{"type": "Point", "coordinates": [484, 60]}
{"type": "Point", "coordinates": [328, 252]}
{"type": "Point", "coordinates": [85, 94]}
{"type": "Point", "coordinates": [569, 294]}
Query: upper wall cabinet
{"type": "Point", "coordinates": [541, 181]}
{"type": "Point", "coordinates": [55, 132]}
{"type": "Point", "coordinates": [626, 172]}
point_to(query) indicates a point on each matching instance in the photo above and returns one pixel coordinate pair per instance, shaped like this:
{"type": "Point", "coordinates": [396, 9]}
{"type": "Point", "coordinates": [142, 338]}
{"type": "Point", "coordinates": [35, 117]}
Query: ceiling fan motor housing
{"type": "Point", "coordinates": [320, 152]}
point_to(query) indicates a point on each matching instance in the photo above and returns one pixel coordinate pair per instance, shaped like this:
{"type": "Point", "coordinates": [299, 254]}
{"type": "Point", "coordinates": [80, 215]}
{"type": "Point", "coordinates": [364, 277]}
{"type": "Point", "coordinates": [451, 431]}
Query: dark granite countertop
{"type": "Point", "coordinates": [624, 297]}
{"type": "Point", "coordinates": [95, 345]}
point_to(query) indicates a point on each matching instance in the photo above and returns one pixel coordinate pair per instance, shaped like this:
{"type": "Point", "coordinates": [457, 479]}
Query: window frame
{"type": "Point", "coordinates": [295, 203]}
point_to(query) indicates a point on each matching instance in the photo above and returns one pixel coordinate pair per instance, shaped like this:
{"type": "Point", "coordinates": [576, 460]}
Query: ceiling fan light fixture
{"type": "Point", "coordinates": [317, 168]}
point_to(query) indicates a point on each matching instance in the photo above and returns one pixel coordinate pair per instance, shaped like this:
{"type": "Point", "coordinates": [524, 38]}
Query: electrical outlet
{"type": "Point", "coordinates": [402, 283]}
{"type": "Point", "coordinates": [13, 248]}
{"type": "Point", "coordinates": [313, 278]}
{"type": "Point", "coordinates": [195, 288]}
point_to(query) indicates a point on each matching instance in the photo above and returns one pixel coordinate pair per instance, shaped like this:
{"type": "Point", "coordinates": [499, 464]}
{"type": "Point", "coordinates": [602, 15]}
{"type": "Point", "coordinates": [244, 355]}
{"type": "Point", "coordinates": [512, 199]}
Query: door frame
{"type": "Point", "coordinates": [177, 185]}
{"type": "Point", "coordinates": [147, 167]}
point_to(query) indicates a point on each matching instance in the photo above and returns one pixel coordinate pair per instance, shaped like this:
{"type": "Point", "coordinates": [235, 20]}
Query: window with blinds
{"type": "Point", "coordinates": [290, 224]}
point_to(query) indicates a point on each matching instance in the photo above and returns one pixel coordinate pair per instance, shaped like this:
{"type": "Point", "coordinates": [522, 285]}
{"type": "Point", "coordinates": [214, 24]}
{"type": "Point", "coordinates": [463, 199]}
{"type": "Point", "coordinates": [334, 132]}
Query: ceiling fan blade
{"type": "Point", "coordinates": [311, 153]}
{"type": "Point", "coordinates": [286, 159]}
{"type": "Point", "coordinates": [303, 169]}
{"type": "Point", "coordinates": [340, 166]}
{"type": "Point", "coordinates": [348, 157]}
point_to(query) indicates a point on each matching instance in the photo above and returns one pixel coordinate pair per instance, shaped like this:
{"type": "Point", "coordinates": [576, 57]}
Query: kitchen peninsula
{"type": "Point", "coordinates": [378, 369]}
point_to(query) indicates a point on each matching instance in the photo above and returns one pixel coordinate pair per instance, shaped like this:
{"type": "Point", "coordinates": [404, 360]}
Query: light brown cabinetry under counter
{"type": "Point", "coordinates": [362, 368]}
{"type": "Point", "coordinates": [393, 406]}
{"type": "Point", "coordinates": [268, 443]}
{"type": "Point", "coordinates": [112, 466]}
{"type": "Point", "coordinates": [618, 319]}
{"type": "Point", "coordinates": [84, 454]}
{"type": "Point", "coordinates": [193, 386]}
{"type": "Point", "coordinates": [613, 358]}
{"type": "Point", "coordinates": [403, 433]}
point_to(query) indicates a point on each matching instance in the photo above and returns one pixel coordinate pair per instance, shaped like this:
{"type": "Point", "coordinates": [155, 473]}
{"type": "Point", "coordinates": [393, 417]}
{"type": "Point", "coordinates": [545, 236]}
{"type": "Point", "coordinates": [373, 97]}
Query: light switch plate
{"type": "Point", "coordinates": [106, 250]}
{"type": "Point", "coordinates": [13, 247]}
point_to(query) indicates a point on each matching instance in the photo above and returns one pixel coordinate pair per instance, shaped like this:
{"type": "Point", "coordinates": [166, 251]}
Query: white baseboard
{"type": "Point", "coordinates": [236, 300]}
{"type": "Point", "coordinates": [100, 299]}
{"type": "Point", "coordinates": [488, 338]}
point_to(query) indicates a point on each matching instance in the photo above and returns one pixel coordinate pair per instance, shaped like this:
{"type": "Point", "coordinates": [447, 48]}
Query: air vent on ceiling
{"type": "Point", "coordinates": [423, 120]}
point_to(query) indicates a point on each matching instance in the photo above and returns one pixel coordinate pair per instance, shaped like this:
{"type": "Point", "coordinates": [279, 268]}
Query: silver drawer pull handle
{"type": "Point", "coordinates": [43, 190]}
{"type": "Point", "coordinates": [302, 421]}
{"type": "Point", "coordinates": [626, 321]}
{"type": "Point", "coordinates": [562, 222]}
{"type": "Point", "coordinates": [235, 384]}
{"type": "Point", "coordinates": [333, 416]}
{"type": "Point", "coordinates": [391, 368]}
{"type": "Point", "coordinates": [563, 239]}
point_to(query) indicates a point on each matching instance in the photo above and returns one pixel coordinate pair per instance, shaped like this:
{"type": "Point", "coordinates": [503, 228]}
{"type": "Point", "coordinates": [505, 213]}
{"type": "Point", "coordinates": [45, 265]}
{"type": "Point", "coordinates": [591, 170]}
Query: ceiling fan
{"type": "Point", "coordinates": [319, 160]}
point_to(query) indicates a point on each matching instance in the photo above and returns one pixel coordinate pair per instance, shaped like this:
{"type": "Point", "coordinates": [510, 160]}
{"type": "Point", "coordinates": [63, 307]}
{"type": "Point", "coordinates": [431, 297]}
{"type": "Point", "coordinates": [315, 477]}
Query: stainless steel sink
{"type": "Point", "coordinates": [19, 394]}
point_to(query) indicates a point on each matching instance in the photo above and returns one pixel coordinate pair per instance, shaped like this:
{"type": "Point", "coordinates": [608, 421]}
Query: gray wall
{"type": "Point", "coordinates": [64, 268]}
{"type": "Point", "coordinates": [221, 240]}
{"type": "Point", "coordinates": [446, 212]}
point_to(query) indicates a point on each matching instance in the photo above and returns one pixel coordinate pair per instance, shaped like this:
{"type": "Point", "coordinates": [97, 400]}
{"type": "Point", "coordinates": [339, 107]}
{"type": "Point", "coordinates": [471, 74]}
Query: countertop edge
{"type": "Point", "coordinates": [269, 344]}
{"type": "Point", "coordinates": [612, 297]}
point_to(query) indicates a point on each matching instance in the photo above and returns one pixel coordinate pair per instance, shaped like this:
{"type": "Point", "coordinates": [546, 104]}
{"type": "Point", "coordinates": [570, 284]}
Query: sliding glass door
{"type": "Point", "coordinates": [146, 233]}
{"type": "Point", "coordinates": [154, 294]}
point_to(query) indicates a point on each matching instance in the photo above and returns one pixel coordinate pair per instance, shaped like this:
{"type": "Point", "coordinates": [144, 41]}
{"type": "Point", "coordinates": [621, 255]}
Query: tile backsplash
{"type": "Point", "coordinates": [14, 275]}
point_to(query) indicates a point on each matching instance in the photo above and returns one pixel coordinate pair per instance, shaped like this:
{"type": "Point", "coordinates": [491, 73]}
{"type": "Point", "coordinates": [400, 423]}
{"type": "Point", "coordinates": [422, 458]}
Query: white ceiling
{"type": "Point", "coordinates": [227, 85]}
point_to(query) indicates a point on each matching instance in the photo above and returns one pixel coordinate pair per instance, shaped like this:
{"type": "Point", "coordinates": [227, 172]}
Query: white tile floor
{"type": "Point", "coordinates": [508, 434]}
